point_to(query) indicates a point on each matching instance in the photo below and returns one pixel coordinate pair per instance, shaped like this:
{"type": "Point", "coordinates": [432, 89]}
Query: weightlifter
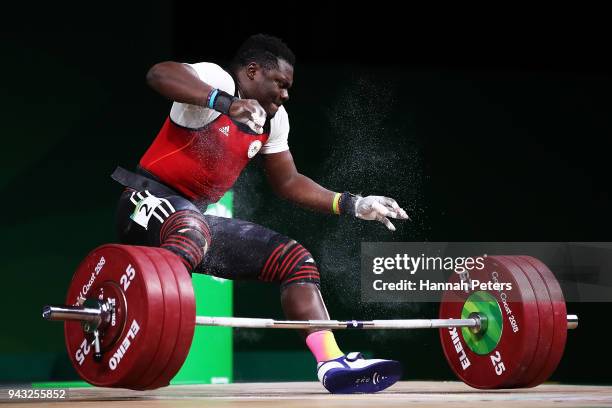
{"type": "Point", "coordinates": [219, 120]}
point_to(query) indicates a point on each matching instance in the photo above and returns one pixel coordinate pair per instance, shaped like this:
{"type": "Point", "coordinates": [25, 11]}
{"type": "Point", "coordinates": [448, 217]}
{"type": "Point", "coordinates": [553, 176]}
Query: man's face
{"type": "Point", "coordinates": [271, 86]}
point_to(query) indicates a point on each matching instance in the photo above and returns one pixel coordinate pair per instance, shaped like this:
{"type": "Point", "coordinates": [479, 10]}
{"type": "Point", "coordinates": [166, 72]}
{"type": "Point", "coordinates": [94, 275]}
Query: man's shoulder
{"type": "Point", "coordinates": [279, 124]}
{"type": "Point", "coordinates": [281, 116]}
{"type": "Point", "coordinates": [215, 76]}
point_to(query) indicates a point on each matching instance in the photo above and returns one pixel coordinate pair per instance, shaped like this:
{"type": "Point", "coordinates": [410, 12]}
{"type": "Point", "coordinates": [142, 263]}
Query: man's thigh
{"type": "Point", "coordinates": [239, 249]}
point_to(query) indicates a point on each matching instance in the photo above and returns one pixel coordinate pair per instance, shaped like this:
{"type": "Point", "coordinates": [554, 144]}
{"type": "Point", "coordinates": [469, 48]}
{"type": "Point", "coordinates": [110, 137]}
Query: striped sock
{"type": "Point", "coordinates": [323, 345]}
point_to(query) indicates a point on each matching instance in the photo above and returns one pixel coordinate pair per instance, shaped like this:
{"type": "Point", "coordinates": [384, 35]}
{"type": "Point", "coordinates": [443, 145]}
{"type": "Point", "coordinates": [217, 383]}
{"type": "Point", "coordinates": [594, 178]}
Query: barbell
{"type": "Point", "coordinates": [130, 317]}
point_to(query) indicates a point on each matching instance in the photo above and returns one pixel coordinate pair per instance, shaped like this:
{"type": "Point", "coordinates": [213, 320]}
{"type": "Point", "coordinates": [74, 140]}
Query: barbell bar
{"type": "Point", "coordinates": [95, 316]}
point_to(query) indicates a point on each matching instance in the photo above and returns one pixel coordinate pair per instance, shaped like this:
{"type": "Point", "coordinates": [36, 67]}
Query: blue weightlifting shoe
{"type": "Point", "coordinates": [352, 374]}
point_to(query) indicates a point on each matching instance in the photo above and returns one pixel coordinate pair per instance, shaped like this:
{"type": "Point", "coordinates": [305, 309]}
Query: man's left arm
{"type": "Point", "coordinates": [289, 184]}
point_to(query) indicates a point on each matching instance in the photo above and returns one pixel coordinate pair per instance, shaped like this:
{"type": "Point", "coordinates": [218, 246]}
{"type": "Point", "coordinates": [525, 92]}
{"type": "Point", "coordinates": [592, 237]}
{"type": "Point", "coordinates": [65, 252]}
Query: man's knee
{"type": "Point", "coordinates": [187, 234]}
{"type": "Point", "coordinates": [290, 263]}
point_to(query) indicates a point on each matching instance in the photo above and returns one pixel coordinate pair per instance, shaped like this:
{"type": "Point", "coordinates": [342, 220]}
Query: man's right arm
{"type": "Point", "coordinates": [181, 83]}
{"type": "Point", "coordinates": [178, 82]}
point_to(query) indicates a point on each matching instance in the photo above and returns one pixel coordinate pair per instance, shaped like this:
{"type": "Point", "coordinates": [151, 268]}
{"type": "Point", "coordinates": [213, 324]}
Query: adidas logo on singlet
{"type": "Point", "coordinates": [224, 130]}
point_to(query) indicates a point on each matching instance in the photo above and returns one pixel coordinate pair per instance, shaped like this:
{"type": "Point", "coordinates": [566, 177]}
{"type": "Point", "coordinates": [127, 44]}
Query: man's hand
{"type": "Point", "coordinates": [249, 112]}
{"type": "Point", "coordinates": [379, 208]}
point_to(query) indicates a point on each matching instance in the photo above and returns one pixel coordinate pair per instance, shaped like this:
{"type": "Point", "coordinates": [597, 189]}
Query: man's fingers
{"type": "Point", "coordinates": [254, 116]}
{"type": "Point", "coordinates": [254, 127]}
{"type": "Point", "coordinates": [404, 215]}
{"type": "Point", "coordinates": [382, 210]}
{"type": "Point", "coordinates": [259, 115]}
{"type": "Point", "coordinates": [393, 212]}
{"type": "Point", "coordinates": [387, 223]}
{"type": "Point", "coordinates": [390, 202]}
{"type": "Point", "coordinates": [379, 208]}
{"type": "Point", "coordinates": [259, 119]}
{"type": "Point", "coordinates": [396, 208]}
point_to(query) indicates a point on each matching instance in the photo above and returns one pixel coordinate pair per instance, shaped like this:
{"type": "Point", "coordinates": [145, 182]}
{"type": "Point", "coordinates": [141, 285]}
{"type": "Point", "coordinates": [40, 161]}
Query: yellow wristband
{"type": "Point", "coordinates": [335, 207]}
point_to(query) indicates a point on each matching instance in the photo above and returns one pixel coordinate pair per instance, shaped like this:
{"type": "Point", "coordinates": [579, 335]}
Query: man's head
{"type": "Point", "coordinates": [264, 67]}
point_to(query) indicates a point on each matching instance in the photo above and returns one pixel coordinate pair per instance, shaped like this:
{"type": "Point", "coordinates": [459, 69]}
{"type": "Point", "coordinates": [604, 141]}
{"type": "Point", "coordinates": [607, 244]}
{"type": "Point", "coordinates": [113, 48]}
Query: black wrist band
{"type": "Point", "coordinates": [347, 203]}
{"type": "Point", "coordinates": [223, 101]}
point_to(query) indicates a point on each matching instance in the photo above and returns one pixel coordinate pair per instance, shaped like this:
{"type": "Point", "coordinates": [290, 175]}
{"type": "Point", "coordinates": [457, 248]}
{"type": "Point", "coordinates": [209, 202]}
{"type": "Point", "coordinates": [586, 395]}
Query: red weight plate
{"type": "Point", "coordinates": [171, 319]}
{"type": "Point", "coordinates": [187, 318]}
{"type": "Point", "coordinates": [519, 314]}
{"type": "Point", "coordinates": [129, 356]}
{"type": "Point", "coordinates": [151, 273]}
{"type": "Point", "coordinates": [559, 317]}
{"type": "Point", "coordinates": [521, 370]}
{"type": "Point", "coordinates": [546, 327]}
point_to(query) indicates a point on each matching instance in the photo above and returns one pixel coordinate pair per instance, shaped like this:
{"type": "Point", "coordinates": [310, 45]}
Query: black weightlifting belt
{"type": "Point", "coordinates": [141, 180]}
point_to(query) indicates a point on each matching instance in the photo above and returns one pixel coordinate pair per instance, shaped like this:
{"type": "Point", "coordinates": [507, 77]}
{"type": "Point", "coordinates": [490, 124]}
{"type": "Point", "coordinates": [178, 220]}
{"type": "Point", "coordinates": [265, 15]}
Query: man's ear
{"type": "Point", "coordinates": [252, 69]}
